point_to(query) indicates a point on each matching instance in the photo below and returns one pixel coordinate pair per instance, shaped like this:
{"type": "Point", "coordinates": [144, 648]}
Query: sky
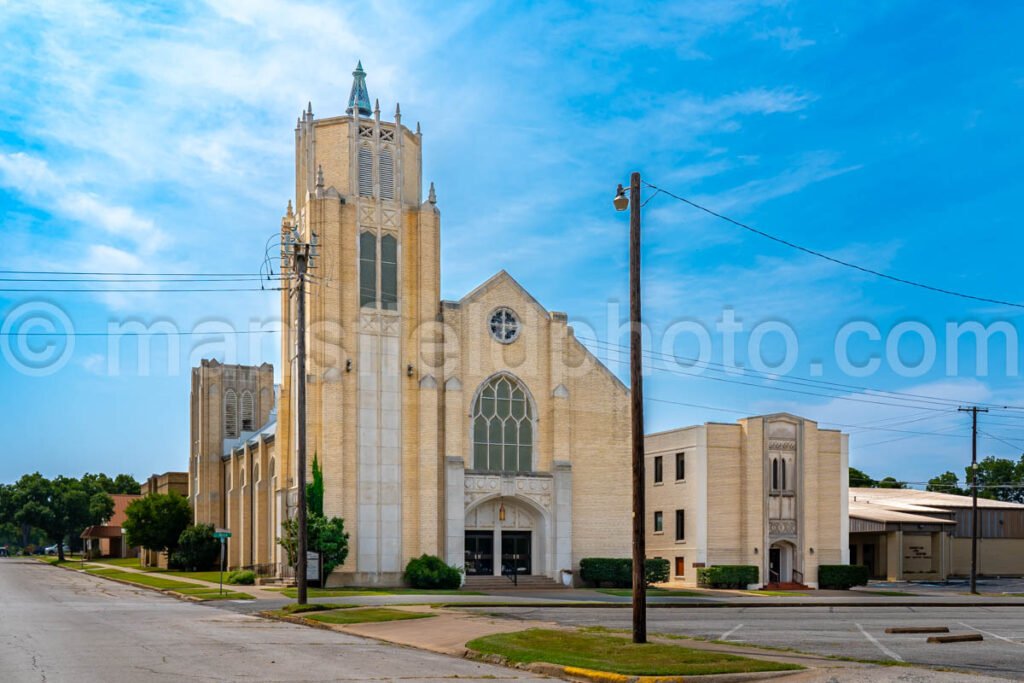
{"type": "Point", "coordinates": [151, 138]}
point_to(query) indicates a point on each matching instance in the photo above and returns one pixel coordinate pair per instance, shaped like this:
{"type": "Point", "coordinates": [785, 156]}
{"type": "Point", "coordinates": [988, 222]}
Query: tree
{"type": "Point", "coordinates": [860, 479]}
{"type": "Point", "coordinates": [947, 482]}
{"type": "Point", "coordinates": [156, 521]}
{"type": "Point", "coordinates": [122, 483]}
{"type": "Point", "coordinates": [59, 508]}
{"type": "Point", "coordinates": [315, 490]}
{"type": "Point", "coordinates": [891, 483]}
{"type": "Point", "coordinates": [999, 479]}
{"type": "Point", "coordinates": [126, 483]}
{"type": "Point", "coordinates": [197, 549]}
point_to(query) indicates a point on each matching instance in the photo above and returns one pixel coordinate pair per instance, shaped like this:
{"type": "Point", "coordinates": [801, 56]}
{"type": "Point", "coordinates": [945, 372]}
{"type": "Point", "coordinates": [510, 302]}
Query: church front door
{"type": "Point", "coordinates": [515, 552]}
{"type": "Point", "coordinates": [479, 553]}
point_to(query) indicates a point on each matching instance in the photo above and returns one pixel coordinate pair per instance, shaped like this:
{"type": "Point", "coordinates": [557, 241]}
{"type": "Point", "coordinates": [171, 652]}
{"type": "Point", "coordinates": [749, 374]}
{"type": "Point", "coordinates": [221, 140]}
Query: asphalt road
{"type": "Point", "coordinates": [57, 625]}
{"type": "Point", "coordinates": [846, 631]}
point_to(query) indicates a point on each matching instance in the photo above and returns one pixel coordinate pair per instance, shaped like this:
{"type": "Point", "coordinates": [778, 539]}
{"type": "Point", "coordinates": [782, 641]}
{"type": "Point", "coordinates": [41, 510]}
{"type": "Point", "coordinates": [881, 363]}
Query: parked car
{"type": "Point", "coordinates": [52, 549]}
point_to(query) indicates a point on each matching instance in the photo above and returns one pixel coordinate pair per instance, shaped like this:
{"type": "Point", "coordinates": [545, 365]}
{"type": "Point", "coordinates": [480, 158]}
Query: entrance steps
{"type": "Point", "coordinates": [785, 586]}
{"type": "Point", "coordinates": [501, 583]}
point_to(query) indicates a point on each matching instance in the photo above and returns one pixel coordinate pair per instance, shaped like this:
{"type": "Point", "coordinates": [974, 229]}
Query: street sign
{"type": "Point", "coordinates": [312, 566]}
{"type": "Point", "coordinates": [222, 533]}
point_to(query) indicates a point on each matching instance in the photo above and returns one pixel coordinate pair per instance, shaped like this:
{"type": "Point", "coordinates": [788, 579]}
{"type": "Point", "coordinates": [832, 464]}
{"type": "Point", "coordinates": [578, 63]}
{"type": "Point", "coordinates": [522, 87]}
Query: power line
{"type": "Point", "coordinates": [841, 262]}
{"type": "Point", "coordinates": [146, 333]}
{"type": "Point", "coordinates": [121, 273]}
{"type": "Point", "coordinates": [138, 291]}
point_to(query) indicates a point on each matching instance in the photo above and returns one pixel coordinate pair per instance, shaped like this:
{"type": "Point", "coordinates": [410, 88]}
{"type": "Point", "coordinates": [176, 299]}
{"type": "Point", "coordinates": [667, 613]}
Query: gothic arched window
{"type": "Point", "coordinates": [230, 414]}
{"type": "Point", "coordinates": [248, 418]}
{"type": "Point", "coordinates": [782, 474]}
{"type": "Point", "coordinates": [503, 427]}
{"type": "Point", "coordinates": [775, 474]}
{"type": "Point", "coordinates": [367, 270]}
{"type": "Point", "coordinates": [389, 273]}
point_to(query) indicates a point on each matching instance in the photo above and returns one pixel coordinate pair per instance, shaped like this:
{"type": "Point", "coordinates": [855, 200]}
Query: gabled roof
{"type": "Point", "coordinates": [921, 500]}
{"type": "Point", "coordinates": [883, 513]}
{"type": "Point", "coordinates": [502, 277]}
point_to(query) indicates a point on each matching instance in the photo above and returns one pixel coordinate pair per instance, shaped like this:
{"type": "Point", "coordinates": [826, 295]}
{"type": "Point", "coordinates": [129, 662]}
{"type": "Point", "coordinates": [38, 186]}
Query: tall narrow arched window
{"type": "Point", "coordinates": [386, 166]}
{"type": "Point", "coordinates": [782, 474]}
{"type": "Point", "coordinates": [248, 417]}
{"type": "Point", "coordinates": [367, 270]}
{"type": "Point", "coordinates": [775, 474]}
{"type": "Point", "coordinates": [389, 273]}
{"type": "Point", "coordinates": [230, 414]}
{"type": "Point", "coordinates": [365, 172]}
{"type": "Point", "coordinates": [503, 427]}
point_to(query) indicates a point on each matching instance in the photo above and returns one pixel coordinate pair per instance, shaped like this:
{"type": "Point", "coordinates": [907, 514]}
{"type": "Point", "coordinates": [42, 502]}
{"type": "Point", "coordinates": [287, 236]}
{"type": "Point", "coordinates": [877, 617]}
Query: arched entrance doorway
{"type": "Point", "coordinates": [504, 535]}
{"type": "Point", "coordinates": [780, 562]}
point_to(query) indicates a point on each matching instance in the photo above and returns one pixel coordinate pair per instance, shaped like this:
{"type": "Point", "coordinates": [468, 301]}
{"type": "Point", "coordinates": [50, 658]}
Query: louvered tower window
{"type": "Point", "coordinates": [387, 175]}
{"type": "Point", "coordinates": [365, 172]}
{"type": "Point", "coordinates": [230, 414]}
{"type": "Point", "coordinates": [389, 273]}
{"type": "Point", "coordinates": [367, 270]}
{"type": "Point", "coordinates": [248, 419]}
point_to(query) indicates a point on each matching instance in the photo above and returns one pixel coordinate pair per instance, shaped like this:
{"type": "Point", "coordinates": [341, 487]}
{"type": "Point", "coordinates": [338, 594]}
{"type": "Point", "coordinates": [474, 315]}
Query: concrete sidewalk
{"type": "Point", "coordinates": [256, 592]}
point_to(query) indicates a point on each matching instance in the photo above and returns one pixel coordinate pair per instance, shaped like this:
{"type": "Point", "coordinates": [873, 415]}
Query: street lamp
{"type": "Point", "coordinates": [621, 203]}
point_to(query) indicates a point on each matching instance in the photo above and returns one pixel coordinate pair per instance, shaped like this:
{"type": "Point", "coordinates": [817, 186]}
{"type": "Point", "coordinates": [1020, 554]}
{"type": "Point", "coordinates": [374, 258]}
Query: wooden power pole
{"type": "Point", "coordinates": [974, 410]}
{"type": "Point", "coordinates": [637, 411]}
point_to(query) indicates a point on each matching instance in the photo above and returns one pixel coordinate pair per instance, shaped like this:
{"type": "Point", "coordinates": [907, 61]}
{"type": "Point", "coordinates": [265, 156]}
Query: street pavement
{"type": "Point", "coordinates": [58, 625]}
{"type": "Point", "coordinates": [857, 632]}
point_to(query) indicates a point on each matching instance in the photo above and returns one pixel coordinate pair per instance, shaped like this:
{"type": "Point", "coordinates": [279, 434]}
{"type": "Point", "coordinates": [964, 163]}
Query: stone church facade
{"type": "Point", "coordinates": [479, 430]}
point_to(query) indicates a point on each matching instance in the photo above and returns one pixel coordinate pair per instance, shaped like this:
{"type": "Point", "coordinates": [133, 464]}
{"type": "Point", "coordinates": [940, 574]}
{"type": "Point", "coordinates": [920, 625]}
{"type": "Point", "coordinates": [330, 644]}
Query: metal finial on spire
{"type": "Point", "coordinates": [398, 109]}
{"type": "Point", "coordinates": [432, 196]}
{"type": "Point", "coordinates": [309, 107]}
{"type": "Point", "coordinates": [418, 128]}
{"type": "Point", "coordinates": [359, 98]}
{"type": "Point", "coordinates": [291, 212]}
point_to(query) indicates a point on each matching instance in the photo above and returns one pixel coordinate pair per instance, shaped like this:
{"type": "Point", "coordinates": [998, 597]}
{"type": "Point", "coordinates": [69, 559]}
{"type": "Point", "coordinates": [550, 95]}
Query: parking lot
{"type": "Point", "coordinates": [845, 631]}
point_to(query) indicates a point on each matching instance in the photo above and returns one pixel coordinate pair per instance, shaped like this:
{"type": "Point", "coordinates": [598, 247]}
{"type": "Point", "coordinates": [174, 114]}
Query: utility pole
{"type": "Point", "coordinates": [974, 410]}
{"type": "Point", "coordinates": [301, 256]}
{"type": "Point", "coordinates": [637, 407]}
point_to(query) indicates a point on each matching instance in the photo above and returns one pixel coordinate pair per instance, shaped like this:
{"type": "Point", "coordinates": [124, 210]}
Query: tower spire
{"type": "Point", "coordinates": [359, 98]}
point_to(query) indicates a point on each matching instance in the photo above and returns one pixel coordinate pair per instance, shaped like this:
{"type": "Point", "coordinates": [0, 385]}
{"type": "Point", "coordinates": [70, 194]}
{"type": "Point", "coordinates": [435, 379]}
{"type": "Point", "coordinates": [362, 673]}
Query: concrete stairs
{"type": "Point", "coordinates": [501, 583]}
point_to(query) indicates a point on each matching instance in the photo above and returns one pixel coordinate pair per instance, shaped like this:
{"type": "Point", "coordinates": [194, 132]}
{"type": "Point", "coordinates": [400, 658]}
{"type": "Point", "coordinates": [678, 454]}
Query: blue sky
{"type": "Point", "coordinates": [148, 138]}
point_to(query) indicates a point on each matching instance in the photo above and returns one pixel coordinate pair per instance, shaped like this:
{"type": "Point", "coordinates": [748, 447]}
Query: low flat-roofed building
{"type": "Point", "coordinates": [107, 539]}
{"type": "Point", "coordinates": [162, 483]}
{"type": "Point", "coordinates": [907, 535]}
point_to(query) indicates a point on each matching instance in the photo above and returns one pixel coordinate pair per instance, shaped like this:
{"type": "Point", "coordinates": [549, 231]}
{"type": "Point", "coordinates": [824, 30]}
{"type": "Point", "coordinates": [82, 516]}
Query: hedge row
{"type": "Point", "coordinates": [727, 576]}
{"type": "Point", "coordinates": [618, 572]}
{"type": "Point", "coordinates": [842, 576]}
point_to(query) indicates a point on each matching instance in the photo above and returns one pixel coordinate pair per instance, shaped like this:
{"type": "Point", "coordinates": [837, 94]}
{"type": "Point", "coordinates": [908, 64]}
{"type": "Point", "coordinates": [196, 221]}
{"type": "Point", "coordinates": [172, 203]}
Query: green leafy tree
{"type": "Point", "coordinates": [891, 483]}
{"type": "Point", "coordinates": [156, 521]}
{"type": "Point", "coordinates": [947, 482]}
{"type": "Point", "coordinates": [60, 508]}
{"type": "Point", "coordinates": [126, 483]}
{"type": "Point", "coordinates": [315, 490]}
{"type": "Point", "coordinates": [999, 479]}
{"type": "Point", "coordinates": [860, 479]}
{"type": "Point", "coordinates": [197, 549]}
{"type": "Point", "coordinates": [122, 483]}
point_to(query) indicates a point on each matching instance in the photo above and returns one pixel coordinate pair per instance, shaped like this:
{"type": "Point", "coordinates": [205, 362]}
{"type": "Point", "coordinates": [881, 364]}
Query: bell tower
{"type": "Point", "coordinates": [372, 298]}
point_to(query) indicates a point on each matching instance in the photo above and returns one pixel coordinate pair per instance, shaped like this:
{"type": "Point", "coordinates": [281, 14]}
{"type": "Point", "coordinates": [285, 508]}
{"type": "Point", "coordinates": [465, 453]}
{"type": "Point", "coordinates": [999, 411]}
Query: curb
{"type": "Point", "coordinates": [720, 605]}
{"type": "Point", "coordinates": [164, 591]}
{"type": "Point", "coordinates": [576, 673]}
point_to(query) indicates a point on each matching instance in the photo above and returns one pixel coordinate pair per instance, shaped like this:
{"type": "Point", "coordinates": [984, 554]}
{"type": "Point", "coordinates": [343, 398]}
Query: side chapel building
{"type": "Point", "coordinates": [479, 430]}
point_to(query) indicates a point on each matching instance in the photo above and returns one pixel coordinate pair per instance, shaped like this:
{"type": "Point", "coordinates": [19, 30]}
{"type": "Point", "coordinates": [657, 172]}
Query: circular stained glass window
{"type": "Point", "coordinates": [504, 325]}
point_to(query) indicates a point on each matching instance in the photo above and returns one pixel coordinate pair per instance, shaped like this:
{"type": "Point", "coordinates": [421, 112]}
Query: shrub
{"type": "Point", "coordinates": [655, 570]}
{"type": "Point", "coordinates": [842, 576]}
{"type": "Point", "coordinates": [197, 549]}
{"type": "Point", "coordinates": [618, 571]}
{"type": "Point", "coordinates": [727, 576]}
{"type": "Point", "coordinates": [242, 577]}
{"type": "Point", "coordinates": [430, 571]}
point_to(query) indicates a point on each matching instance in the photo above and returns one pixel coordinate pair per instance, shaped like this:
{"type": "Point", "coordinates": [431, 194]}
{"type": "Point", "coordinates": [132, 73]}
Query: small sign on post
{"type": "Point", "coordinates": [222, 535]}
{"type": "Point", "coordinates": [312, 566]}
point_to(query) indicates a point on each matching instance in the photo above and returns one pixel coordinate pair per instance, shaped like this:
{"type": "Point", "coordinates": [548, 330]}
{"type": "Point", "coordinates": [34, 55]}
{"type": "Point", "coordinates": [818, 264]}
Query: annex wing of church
{"type": "Point", "coordinates": [479, 430]}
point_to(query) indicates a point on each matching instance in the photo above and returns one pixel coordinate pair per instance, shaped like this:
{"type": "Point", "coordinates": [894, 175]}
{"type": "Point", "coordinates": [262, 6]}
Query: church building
{"type": "Point", "coordinates": [479, 430]}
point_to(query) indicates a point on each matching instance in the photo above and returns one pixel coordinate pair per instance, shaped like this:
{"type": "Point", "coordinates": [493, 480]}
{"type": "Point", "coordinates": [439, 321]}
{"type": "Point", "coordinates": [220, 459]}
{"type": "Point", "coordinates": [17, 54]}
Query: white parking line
{"type": "Point", "coordinates": [725, 636]}
{"type": "Point", "coordinates": [886, 651]}
{"type": "Point", "coordinates": [993, 635]}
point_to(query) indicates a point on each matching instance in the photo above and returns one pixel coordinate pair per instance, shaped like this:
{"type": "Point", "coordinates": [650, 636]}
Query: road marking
{"type": "Point", "coordinates": [886, 651]}
{"type": "Point", "coordinates": [725, 636]}
{"type": "Point", "coordinates": [993, 635]}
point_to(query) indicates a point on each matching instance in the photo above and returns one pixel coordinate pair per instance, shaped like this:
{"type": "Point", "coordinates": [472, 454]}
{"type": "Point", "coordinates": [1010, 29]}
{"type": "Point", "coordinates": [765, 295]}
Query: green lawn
{"type": "Point", "coordinates": [364, 615]}
{"type": "Point", "coordinates": [132, 562]}
{"type": "Point", "coordinates": [779, 594]}
{"type": "Point", "coordinates": [353, 592]}
{"type": "Point", "coordinates": [605, 652]}
{"type": "Point", "coordinates": [296, 608]}
{"type": "Point", "coordinates": [628, 592]}
{"type": "Point", "coordinates": [156, 580]}
{"type": "Point", "coordinates": [212, 577]}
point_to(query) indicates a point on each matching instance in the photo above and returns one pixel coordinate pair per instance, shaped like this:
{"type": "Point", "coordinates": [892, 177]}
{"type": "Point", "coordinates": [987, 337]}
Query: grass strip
{"type": "Point", "coordinates": [605, 652]}
{"type": "Point", "coordinates": [659, 592]}
{"type": "Point", "coordinates": [365, 615]}
{"type": "Point", "coordinates": [357, 592]}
